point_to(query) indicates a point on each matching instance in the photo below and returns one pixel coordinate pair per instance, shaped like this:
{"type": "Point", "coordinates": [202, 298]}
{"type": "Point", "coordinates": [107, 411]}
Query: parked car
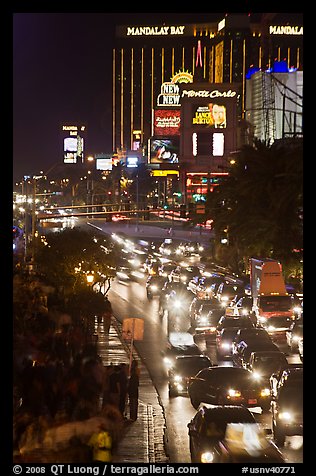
{"type": "Point", "coordinates": [184, 368]}
{"type": "Point", "coordinates": [293, 334]}
{"type": "Point", "coordinates": [227, 386]}
{"type": "Point", "coordinates": [229, 434]}
{"type": "Point", "coordinates": [287, 412]}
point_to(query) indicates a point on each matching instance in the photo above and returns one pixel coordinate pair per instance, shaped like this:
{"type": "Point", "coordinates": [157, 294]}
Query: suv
{"type": "Point", "coordinates": [287, 412]}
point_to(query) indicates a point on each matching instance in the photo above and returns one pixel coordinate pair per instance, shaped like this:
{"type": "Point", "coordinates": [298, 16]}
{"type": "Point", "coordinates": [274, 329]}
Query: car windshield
{"type": "Point", "coordinates": [217, 420]}
{"type": "Point", "coordinates": [231, 322]}
{"type": "Point", "coordinates": [275, 303]}
{"type": "Point", "coordinates": [291, 396]}
{"type": "Point", "coordinates": [269, 364]}
{"type": "Point", "coordinates": [191, 366]}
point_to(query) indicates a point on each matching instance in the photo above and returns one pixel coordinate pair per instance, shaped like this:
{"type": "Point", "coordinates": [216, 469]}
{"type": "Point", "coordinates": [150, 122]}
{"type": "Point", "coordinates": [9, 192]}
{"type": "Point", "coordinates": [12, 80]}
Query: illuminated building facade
{"type": "Point", "coordinates": [152, 64]}
{"type": "Point", "coordinates": [73, 138]}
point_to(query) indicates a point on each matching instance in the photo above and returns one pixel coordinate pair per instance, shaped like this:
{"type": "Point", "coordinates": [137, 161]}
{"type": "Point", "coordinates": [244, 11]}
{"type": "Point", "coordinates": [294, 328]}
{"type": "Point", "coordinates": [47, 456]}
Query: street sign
{"type": "Point", "coordinates": [133, 329]}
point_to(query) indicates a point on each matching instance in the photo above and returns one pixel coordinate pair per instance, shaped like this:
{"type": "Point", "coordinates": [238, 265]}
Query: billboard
{"type": "Point", "coordinates": [73, 139]}
{"type": "Point", "coordinates": [208, 121]}
{"type": "Point", "coordinates": [164, 150]}
{"type": "Point", "coordinates": [166, 122]}
{"type": "Point", "coordinates": [211, 115]}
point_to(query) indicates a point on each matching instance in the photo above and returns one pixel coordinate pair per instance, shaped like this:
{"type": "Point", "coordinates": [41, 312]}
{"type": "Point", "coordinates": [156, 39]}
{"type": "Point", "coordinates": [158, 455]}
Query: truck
{"type": "Point", "coordinates": [268, 290]}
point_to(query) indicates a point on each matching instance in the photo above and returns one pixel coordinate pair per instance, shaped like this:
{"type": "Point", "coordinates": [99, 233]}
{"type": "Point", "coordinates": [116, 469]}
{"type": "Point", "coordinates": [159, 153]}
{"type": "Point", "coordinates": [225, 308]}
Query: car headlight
{"type": "Point", "coordinates": [177, 304]}
{"type": "Point", "coordinates": [256, 375]}
{"type": "Point", "coordinates": [286, 416]}
{"type": "Point", "coordinates": [271, 328]}
{"type": "Point", "coordinates": [297, 309]}
{"type": "Point", "coordinates": [245, 312]}
{"type": "Point", "coordinates": [167, 361]}
{"type": "Point", "coordinates": [232, 393]}
{"type": "Point", "coordinates": [207, 457]}
{"type": "Point", "coordinates": [201, 248]}
{"type": "Point", "coordinates": [226, 346]}
{"type": "Point", "coordinates": [177, 378]}
{"type": "Point", "coordinates": [265, 392]}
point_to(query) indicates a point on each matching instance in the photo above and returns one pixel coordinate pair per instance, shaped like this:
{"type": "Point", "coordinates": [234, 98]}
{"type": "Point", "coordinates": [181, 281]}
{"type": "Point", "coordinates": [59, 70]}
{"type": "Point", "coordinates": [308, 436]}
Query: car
{"type": "Point", "coordinates": [234, 321]}
{"type": "Point", "coordinates": [247, 334]}
{"type": "Point", "coordinates": [184, 368]}
{"type": "Point", "coordinates": [174, 298]}
{"type": "Point", "coordinates": [180, 343]}
{"type": "Point", "coordinates": [300, 348]}
{"type": "Point", "coordinates": [229, 434]}
{"type": "Point", "coordinates": [243, 352]}
{"type": "Point", "coordinates": [224, 341]}
{"type": "Point", "coordinates": [244, 305]}
{"type": "Point", "coordinates": [222, 385]}
{"type": "Point", "coordinates": [263, 364]}
{"type": "Point", "coordinates": [293, 334]}
{"type": "Point", "coordinates": [227, 290]}
{"type": "Point", "coordinates": [154, 284]}
{"type": "Point", "coordinates": [291, 373]}
{"type": "Point", "coordinates": [277, 326]}
{"type": "Point", "coordinates": [207, 286]}
{"type": "Point", "coordinates": [287, 412]}
{"type": "Point", "coordinates": [206, 317]}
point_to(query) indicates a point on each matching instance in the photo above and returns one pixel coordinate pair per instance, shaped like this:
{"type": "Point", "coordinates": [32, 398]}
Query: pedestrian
{"type": "Point", "coordinates": [101, 444]}
{"type": "Point", "coordinates": [107, 315]}
{"type": "Point", "coordinates": [123, 381]}
{"type": "Point", "coordinates": [132, 389]}
{"type": "Point", "coordinates": [114, 386]}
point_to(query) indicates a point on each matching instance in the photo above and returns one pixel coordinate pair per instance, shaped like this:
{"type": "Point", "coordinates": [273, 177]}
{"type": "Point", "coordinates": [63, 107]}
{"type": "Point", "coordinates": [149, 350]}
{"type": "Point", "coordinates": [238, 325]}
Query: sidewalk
{"type": "Point", "coordinates": [143, 440]}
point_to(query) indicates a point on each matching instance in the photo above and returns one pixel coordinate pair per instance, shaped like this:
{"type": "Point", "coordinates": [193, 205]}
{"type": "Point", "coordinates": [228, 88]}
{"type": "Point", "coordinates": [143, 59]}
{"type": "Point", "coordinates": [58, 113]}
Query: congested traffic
{"type": "Point", "coordinates": [221, 353]}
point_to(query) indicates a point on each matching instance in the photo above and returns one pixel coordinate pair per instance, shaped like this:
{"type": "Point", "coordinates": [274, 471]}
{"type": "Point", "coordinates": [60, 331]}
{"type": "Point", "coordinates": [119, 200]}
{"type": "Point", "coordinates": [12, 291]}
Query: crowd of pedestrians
{"type": "Point", "coordinates": [60, 382]}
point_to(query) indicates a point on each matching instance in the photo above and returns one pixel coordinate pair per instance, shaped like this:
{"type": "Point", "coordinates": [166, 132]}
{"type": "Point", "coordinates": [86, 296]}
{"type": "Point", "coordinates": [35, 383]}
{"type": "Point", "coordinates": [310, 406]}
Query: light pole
{"type": "Point", "coordinates": [137, 203]}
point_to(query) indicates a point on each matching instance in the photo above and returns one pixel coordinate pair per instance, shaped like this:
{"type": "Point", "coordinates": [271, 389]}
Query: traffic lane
{"type": "Point", "coordinates": [129, 300]}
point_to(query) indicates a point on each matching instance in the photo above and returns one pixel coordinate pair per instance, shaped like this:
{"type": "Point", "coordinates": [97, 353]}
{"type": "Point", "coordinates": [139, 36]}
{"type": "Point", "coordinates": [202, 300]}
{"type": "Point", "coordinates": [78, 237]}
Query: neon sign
{"type": "Point", "coordinates": [154, 30]}
{"type": "Point", "coordinates": [285, 30]}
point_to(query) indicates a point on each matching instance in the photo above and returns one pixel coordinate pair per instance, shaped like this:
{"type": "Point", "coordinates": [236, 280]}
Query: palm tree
{"type": "Point", "coordinates": [260, 202]}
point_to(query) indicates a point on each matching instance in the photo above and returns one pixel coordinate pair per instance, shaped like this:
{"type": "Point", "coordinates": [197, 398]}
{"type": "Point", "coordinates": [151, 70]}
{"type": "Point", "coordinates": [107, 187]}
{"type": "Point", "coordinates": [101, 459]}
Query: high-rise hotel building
{"type": "Point", "coordinates": [155, 110]}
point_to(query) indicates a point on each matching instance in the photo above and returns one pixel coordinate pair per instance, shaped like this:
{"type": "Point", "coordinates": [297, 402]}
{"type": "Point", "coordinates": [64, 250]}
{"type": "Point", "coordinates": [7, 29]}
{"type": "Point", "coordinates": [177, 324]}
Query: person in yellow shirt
{"type": "Point", "coordinates": [101, 444]}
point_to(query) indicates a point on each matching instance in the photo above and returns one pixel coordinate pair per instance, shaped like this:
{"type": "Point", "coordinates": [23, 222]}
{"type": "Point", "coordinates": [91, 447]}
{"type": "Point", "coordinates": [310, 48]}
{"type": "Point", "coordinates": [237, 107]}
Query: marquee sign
{"type": "Point", "coordinates": [166, 122]}
{"type": "Point", "coordinates": [155, 30]}
{"type": "Point", "coordinates": [170, 91]}
{"type": "Point", "coordinates": [285, 30]}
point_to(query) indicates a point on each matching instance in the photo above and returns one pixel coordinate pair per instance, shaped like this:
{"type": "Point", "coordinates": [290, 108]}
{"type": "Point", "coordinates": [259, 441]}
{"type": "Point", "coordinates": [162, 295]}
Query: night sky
{"type": "Point", "coordinates": [62, 72]}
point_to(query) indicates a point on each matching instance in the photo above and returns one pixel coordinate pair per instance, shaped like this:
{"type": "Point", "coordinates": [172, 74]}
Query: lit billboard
{"type": "Point", "coordinates": [73, 140]}
{"type": "Point", "coordinates": [164, 150]}
{"type": "Point", "coordinates": [208, 121]}
{"type": "Point", "coordinates": [166, 122]}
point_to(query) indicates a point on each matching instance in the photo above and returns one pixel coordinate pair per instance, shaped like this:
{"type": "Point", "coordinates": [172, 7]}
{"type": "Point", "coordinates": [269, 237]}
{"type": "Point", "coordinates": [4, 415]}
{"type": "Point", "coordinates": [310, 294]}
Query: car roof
{"type": "Point", "coordinates": [228, 413]}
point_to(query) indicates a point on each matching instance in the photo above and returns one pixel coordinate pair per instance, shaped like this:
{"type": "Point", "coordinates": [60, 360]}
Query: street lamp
{"type": "Point", "coordinates": [90, 277]}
